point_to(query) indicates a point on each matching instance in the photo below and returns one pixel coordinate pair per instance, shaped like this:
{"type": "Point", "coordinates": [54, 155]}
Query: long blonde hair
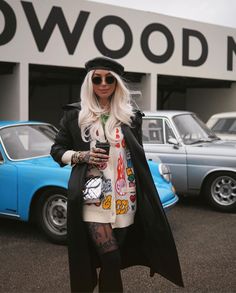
{"type": "Point", "coordinates": [89, 117]}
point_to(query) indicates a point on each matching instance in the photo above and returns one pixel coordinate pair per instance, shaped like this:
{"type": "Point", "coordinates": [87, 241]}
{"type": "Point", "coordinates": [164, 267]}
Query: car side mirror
{"type": "Point", "coordinates": [172, 140]}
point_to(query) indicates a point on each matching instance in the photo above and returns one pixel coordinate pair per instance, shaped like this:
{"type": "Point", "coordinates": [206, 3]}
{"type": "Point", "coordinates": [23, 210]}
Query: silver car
{"type": "Point", "coordinates": [199, 161]}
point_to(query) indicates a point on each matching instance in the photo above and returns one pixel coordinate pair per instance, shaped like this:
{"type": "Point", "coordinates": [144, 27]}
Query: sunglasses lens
{"type": "Point", "coordinates": [110, 79]}
{"type": "Point", "coordinates": [97, 80]}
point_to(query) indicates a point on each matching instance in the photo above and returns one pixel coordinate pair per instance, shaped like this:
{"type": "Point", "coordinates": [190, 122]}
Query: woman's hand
{"type": "Point", "coordinates": [96, 157]}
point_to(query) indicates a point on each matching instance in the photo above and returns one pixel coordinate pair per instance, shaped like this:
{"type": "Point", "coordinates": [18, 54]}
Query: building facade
{"type": "Point", "coordinates": [170, 63]}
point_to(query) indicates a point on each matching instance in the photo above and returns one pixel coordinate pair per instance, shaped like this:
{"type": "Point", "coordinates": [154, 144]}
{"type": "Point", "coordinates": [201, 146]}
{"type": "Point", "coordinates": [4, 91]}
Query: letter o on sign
{"type": "Point", "coordinates": [98, 31]}
{"type": "Point", "coordinates": [145, 47]}
{"type": "Point", "coordinates": [10, 23]}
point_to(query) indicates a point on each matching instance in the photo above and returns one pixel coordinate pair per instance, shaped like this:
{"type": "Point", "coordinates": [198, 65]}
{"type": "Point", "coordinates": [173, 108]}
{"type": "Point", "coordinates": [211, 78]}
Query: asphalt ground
{"type": "Point", "coordinates": [206, 242]}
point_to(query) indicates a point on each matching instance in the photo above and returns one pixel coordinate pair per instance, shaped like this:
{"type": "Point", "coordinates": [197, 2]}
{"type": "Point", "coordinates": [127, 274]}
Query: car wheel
{"type": "Point", "coordinates": [52, 214]}
{"type": "Point", "coordinates": [220, 191]}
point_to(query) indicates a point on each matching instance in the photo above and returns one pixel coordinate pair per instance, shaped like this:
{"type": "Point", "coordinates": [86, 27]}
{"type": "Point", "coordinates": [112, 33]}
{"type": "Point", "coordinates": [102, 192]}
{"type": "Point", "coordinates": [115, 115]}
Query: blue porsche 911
{"type": "Point", "coordinates": [34, 187]}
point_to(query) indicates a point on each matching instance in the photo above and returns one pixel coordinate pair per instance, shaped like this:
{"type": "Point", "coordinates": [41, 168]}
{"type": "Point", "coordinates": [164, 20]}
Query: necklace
{"type": "Point", "coordinates": [104, 118]}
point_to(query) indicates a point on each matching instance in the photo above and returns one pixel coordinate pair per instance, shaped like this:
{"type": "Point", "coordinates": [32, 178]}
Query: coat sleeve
{"type": "Point", "coordinates": [63, 141]}
{"type": "Point", "coordinates": [137, 126]}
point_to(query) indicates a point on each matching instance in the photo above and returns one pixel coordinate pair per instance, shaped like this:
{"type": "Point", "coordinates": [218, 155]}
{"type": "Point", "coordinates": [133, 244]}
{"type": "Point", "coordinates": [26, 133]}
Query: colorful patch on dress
{"type": "Point", "coordinates": [133, 198]}
{"type": "Point", "coordinates": [106, 186]}
{"type": "Point", "coordinates": [120, 181]}
{"type": "Point", "coordinates": [106, 203]}
{"type": "Point", "coordinates": [117, 137]}
{"type": "Point", "coordinates": [123, 143]}
{"type": "Point", "coordinates": [122, 206]}
{"type": "Point", "coordinates": [132, 208]}
{"type": "Point", "coordinates": [102, 166]}
{"type": "Point", "coordinates": [132, 184]}
{"type": "Point", "coordinates": [130, 174]}
{"type": "Point", "coordinates": [97, 204]}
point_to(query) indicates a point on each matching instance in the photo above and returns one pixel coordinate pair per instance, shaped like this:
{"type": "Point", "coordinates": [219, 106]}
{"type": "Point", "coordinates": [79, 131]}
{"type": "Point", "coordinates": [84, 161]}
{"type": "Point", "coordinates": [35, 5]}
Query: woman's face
{"type": "Point", "coordinates": [104, 84]}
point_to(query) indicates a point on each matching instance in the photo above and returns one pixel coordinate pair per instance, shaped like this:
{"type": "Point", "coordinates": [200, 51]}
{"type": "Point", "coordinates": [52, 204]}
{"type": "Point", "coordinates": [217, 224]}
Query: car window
{"type": "Point", "coordinates": [153, 131]}
{"type": "Point", "coordinates": [27, 141]}
{"type": "Point", "coordinates": [192, 130]}
{"type": "Point", "coordinates": [225, 125]}
{"type": "Point", "coordinates": [168, 132]}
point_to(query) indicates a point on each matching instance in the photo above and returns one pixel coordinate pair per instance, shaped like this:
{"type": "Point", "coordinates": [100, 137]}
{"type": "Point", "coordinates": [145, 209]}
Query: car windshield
{"type": "Point", "coordinates": [27, 141]}
{"type": "Point", "coordinates": [192, 130]}
{"type": "Point", "coordinates": [225, 125]}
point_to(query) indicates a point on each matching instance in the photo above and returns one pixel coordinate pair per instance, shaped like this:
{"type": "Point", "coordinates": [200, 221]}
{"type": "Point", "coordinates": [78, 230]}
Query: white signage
{"type": "Point", "coordinates": [69, 32]}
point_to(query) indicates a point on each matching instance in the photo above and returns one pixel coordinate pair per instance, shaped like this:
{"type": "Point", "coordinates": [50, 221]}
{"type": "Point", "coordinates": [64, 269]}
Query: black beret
{"type": "Point", "coordinates": [104, 63]}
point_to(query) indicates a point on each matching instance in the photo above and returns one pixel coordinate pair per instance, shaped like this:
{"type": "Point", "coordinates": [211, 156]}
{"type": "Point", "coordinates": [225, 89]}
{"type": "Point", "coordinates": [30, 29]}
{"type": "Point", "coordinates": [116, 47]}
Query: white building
{"type": "Point", "coordinates": [170, 63]}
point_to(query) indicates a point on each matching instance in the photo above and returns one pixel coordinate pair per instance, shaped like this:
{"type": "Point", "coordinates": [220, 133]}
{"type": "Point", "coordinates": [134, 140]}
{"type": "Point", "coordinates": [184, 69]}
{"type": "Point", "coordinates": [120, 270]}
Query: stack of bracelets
{"type": "Point", "coordinates": [77, 157]}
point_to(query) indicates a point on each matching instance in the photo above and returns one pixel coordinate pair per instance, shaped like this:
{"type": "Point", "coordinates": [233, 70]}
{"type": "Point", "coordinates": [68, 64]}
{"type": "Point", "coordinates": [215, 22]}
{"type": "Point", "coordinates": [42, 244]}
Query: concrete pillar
{"type": "Point", "coordinates": [24, 91]}
{"type": "Point", "coordinates": [148, 101]}
{"type": "Point", "coordinates": [9, 97]}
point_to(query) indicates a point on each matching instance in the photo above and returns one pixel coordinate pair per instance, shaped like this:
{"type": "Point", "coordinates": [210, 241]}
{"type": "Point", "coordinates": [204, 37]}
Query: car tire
{"type": "Point", "coordinates": [51, 213]}
{"type": "Point", "coordinates": [220, 191]}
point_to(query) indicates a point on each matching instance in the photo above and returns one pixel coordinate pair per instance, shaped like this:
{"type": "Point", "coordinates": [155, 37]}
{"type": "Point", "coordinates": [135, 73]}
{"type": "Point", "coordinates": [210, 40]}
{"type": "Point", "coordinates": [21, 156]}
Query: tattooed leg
{"type": "Point", "coordinates": [102, 236]}
{"type": "Point", "coordinates": [107, 247]}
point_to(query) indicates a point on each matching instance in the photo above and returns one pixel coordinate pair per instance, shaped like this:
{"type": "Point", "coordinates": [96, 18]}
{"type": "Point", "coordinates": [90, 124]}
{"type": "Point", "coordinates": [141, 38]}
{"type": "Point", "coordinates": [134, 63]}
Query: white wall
{"type": "Point", "coordinates": [23, 48]}
{"type": "Point", "coordinates": [206, 102]}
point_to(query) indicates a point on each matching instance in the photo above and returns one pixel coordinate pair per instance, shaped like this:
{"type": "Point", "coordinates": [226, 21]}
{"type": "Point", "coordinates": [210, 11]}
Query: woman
{"type": "Point", "coordinates": [128, 225]}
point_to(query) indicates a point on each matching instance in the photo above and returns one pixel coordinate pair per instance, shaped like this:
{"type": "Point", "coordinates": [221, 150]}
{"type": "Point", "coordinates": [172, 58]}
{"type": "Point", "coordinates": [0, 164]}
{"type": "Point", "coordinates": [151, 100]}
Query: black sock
{"type": "Point", "coordinates": [110, 277]}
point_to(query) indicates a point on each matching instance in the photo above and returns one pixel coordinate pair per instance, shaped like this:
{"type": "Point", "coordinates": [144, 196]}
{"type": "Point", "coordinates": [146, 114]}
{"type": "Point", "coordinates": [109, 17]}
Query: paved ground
{"type": "Point", "coordinates": [205, 240]}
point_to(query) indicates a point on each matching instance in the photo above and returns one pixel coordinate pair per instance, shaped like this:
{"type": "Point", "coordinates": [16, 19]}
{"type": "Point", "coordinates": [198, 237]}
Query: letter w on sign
{"type": "Point", "coordinates": [56, 17]}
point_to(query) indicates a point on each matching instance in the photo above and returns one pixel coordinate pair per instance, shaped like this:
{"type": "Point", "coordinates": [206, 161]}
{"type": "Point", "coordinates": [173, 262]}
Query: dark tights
{"type": "Point", "coordinates": [107, 243]}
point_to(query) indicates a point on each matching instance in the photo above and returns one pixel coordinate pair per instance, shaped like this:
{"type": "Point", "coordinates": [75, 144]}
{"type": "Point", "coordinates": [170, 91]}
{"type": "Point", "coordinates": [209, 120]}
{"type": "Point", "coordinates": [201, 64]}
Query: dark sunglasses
{"type": "Point", "coordinates": [108, 79]}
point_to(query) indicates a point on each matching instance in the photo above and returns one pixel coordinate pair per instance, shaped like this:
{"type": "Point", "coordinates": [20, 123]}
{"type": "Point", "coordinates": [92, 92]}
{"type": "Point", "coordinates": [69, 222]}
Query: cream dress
{"type": "Point", "coordinates": [119, 203]}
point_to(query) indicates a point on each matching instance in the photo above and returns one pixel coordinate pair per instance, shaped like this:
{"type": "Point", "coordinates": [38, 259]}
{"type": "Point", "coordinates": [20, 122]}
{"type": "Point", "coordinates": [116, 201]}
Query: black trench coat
{"type": "Point", "coordinates": [149, 240]}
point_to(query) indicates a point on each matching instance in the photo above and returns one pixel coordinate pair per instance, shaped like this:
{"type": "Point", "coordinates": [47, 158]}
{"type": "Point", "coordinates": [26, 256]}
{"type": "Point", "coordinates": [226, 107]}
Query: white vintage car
{"type": "Point", "coordinates": [200, 162]}
{"type": "Point", "coordinates": [224, 125]}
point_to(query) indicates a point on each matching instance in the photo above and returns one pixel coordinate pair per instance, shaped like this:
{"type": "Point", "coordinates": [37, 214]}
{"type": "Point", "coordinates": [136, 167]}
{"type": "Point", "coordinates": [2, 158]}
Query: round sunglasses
{"type": "Point", "coordinates": [108, 79]}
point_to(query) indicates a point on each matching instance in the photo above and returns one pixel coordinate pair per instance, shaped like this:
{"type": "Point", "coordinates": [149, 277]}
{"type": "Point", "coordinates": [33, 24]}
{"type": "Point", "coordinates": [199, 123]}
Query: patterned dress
{"type": "Point", "coordinates": [119, 203]}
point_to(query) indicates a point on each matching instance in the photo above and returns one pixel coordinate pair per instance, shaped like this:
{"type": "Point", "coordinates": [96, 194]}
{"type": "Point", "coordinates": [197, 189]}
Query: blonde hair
{"type": "Point", "coordinates": [89, 117]}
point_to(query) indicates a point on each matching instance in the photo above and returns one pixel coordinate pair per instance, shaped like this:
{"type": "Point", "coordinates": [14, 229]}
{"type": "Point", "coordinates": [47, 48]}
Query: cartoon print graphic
{"type": "Point", "coordinates": [129, 170]}
{"type": "Point", "coordinates": [102, 166]}
{"type": "Point", "coordinates": [130, 174]}
{"type": "Point", "coordinates": [97, 204]}
{"type": "Point", "coordinates": [123, 143]}
{"type": "Point", "coordinates": [133, 198]}
{"type": "Point", "coordinates": [122, 206]}
{"type": "Point", "coordinates": [120, 181]}
{"type": "Point", "coordinates": [117, 137]}
{"type": "Point", "coordinates": [106, 186]}
{"type": "Point", "coordinates": [106, 203]}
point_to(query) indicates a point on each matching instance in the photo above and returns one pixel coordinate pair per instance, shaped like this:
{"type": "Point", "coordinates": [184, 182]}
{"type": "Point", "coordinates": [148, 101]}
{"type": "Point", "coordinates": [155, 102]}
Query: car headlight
{"type": "Point", "coordinates": [165, 172]}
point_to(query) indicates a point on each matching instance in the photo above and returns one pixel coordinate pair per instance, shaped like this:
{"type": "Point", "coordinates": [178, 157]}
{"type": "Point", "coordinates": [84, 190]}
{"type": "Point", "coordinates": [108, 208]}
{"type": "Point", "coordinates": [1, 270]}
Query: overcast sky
{"type": "Point", "coordinates": [222, 12]}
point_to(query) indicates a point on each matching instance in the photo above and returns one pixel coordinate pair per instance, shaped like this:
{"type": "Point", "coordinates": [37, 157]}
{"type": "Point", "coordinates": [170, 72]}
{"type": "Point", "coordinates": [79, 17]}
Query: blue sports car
{"type": "Point", "coordinates": [34, 187]}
